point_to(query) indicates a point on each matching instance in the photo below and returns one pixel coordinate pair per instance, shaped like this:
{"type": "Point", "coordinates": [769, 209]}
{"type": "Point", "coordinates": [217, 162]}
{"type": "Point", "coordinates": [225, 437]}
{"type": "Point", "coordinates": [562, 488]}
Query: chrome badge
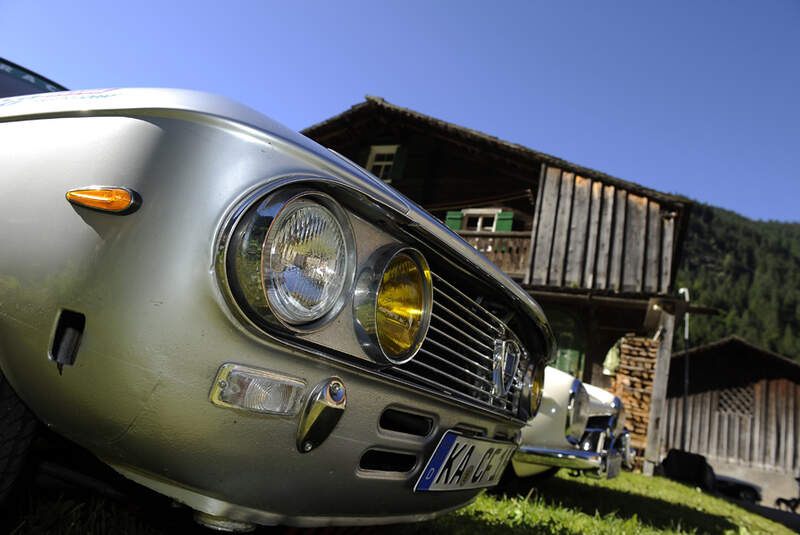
{"type": "Point", "coordinates": [506, 360]}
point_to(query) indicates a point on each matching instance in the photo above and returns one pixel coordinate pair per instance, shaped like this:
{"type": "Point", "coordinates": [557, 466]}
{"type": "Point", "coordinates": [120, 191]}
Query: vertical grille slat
{"type": "Point", "coordinates": [455, 359]}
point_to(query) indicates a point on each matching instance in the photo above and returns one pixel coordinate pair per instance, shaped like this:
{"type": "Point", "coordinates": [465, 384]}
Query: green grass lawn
{"type": "Point", "coordinates": [630, 504]}
{"type": "Point", "coordinates": [562, 505]}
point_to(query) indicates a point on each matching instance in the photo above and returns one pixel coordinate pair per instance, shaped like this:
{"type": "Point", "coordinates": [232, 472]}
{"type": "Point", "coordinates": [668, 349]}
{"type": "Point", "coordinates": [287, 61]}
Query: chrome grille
{"type": "Point", "coordinates": [457, 357]}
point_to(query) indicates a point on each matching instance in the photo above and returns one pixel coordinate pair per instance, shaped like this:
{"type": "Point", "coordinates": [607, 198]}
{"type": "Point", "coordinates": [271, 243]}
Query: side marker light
{"type": "Point", "coordinates": [105, 199]}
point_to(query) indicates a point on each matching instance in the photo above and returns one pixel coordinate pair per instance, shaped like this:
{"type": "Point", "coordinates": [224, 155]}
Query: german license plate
{"type": "Point", "coordinates": [462, 462]}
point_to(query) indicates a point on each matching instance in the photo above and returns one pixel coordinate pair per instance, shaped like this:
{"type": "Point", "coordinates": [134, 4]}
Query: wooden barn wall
{"type": "Point", "coordinates": [754, 425]}
{"type": "Point", "coordinates": [592, 235]}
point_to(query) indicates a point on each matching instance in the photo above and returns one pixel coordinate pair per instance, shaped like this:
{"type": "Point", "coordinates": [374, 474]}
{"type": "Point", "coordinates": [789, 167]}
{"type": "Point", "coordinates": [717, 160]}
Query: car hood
{"type": "Point", "coordinates": [187, 103]}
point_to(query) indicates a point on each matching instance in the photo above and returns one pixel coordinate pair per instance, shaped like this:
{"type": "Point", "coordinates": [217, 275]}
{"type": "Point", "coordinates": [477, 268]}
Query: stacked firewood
{"type": "Point", "coordinates": [633, 384]}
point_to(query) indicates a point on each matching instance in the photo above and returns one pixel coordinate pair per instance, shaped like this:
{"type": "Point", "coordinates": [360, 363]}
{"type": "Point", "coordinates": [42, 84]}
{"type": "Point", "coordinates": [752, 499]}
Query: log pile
{"type": "Point", "coordinates": [633, 384]}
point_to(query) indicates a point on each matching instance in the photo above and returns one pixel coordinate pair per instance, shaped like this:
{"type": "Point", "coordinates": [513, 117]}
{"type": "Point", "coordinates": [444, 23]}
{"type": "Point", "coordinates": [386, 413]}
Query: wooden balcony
{"type": "Point", "coordinates": [588, 235]}
{"type": "Point", "coordinates": [510, 251]}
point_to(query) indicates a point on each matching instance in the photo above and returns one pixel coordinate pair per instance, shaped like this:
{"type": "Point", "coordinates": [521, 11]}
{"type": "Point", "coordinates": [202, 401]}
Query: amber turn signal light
{"type": "Point", "coordinates": [115, 200]}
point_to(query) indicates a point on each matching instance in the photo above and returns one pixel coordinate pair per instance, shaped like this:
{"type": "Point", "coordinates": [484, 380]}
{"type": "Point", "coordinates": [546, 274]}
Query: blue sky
{"type": "Point", "coordinates": [696, 98]}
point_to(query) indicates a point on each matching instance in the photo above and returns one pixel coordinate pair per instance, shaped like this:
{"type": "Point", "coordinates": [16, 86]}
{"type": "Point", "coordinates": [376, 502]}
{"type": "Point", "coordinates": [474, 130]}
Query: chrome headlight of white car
{"type": "Point", "coordinates": [577, 412]}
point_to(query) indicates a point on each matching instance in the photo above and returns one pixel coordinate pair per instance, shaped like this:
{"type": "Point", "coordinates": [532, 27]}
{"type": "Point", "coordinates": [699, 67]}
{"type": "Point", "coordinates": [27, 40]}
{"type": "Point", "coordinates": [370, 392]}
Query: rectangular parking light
{"type": "Point", "coordinates": [254, 389]}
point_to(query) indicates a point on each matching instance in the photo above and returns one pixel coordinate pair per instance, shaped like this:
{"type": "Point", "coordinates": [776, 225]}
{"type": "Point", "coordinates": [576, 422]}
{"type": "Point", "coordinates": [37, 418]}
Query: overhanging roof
{"type": "Point", "coordinates": [374, 104]}
{"type": "Point", "coordinates": [734, 340]}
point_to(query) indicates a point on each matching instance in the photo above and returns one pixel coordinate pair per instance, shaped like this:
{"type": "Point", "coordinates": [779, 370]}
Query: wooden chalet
{"type": "Point", "coordinates": [597, 252]}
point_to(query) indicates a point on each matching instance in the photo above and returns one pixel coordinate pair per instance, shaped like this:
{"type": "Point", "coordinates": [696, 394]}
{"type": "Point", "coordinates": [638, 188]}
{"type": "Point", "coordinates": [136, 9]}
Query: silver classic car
{"type": "Point", "coordinates": [238, 318]}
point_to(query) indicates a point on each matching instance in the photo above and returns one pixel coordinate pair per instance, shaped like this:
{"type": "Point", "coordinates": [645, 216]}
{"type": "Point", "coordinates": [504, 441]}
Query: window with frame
{"type": "Point", "coordinates": [381, 161]}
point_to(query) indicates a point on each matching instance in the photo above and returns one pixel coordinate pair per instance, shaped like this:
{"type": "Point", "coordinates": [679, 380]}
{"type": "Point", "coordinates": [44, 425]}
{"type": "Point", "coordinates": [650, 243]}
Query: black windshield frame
{"type": "Point", "coordinates": [16, 80]}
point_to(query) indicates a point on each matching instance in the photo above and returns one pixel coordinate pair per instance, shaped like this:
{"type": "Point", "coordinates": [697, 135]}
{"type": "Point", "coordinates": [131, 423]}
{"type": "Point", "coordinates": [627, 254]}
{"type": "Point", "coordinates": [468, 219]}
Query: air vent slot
{"type": "Point", "coordinates": [67, 338]}
{"type": "Point", "coordinates": [406, 422]}
{"type": "Point", "coordinates": [387, 461]}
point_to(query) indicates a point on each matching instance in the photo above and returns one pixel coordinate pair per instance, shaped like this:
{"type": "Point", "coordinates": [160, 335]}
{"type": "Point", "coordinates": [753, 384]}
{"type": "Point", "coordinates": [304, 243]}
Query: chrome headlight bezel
{"type": "Point", "coordinates": [365, 303]}
{"type": "Point", "coordinates": [578, 405]}
{"type": "Point", "coordinates": [245, 259]}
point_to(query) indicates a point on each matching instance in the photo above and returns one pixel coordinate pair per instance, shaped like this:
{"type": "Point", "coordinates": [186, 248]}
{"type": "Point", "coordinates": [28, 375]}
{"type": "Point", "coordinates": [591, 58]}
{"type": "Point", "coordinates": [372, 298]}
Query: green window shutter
{"type": "Point", "coordinates": [399, 163]}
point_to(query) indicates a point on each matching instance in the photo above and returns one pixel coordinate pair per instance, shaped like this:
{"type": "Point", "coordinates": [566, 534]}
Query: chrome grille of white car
{"type": "Point", "coordinates": [457, 356]}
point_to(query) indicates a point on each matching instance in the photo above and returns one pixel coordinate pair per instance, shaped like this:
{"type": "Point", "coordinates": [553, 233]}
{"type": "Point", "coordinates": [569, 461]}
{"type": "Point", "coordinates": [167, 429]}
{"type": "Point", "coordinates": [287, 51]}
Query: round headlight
{"type": "Point", "coordinates": [290, 260]}
{"type": "Point", "coordinates": [577, 412]}
{"type": "Point", "coordinates": [304, 262]}
{"type": "Point", "coordinates": [392, 304]}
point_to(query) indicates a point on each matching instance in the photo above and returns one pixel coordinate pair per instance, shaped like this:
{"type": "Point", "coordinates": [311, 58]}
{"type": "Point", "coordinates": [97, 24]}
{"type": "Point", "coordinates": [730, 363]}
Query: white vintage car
{"type": "Point", "coordinates": [578, 426]}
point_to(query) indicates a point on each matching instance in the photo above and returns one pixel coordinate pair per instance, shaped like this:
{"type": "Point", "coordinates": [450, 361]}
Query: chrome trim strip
{"type": "Point", "coordinates": [575, 459]}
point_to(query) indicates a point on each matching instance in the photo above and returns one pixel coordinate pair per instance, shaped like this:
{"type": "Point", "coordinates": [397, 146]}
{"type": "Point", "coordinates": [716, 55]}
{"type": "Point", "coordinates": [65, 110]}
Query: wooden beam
{"type": "Point", "coordinates": [546, 225]}
{"type": "Point", "coordinates": [635, 244]}
{"type": "Point", "coordinates": [562, 230]}
{"type": "Point", "coordinates": [667, 242]}
{"type": "Point", "coordinates": [653, 257]}
{"type": "Point", "coordinates": [657, 421]}
{"type": "Point", "coordinates": [759, 410]}
{"type": "Point", "coordinates": [593, 234]}
{"type": "Point", "coordinates": [537, 213]}
{"type": "Point", "coordinates": [606, 234]}
{"type": "Point", "coordinates": [618, 242]}
{"type": "Point", "coordinates": [713, 431]}
{"type": "Point", "coordinates": [579, 226]}
{"type": "Point", "coordinates": [772, 425]}
{"type": "Point", "coordinates": [796, 460]}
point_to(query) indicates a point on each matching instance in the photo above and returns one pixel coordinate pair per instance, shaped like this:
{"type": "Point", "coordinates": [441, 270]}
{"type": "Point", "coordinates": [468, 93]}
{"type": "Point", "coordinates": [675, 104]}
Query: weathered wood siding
{"type": "Point", "coordinates": [597, 236]}
{"type": "Point", "coordinates": [754, 425]}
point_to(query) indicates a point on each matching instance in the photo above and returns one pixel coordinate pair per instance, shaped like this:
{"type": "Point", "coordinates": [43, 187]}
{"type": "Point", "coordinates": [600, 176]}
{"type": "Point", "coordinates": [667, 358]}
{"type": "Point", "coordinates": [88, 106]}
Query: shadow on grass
{"type": "Point", "coordinates": [591, 500]}
{"type": "Point", "coordinates": [484, 526]}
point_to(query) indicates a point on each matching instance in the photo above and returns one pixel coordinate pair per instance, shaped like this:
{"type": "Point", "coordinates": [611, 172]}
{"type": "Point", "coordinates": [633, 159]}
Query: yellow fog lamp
{"type": "Point", "coordinates": [254, 389]}
{"type": "Point", "coordinates": [532, 391]}
{"type": "Point", "coordinates": [392, 304]}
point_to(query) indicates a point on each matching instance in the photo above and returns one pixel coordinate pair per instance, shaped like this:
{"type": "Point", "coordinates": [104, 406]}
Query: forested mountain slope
{"type": "Point", "coordinates": [750, 270]}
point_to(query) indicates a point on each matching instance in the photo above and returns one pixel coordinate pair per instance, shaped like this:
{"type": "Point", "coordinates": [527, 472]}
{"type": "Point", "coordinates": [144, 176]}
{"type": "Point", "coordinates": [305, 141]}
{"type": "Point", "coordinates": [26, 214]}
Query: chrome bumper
{"type": "Point", "coordinates": [573, 459]}
{"type": "Point", "coordinates": [604, 463]}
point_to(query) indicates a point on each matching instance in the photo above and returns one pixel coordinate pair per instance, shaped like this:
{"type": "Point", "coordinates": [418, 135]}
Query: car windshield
{"type": "Point", "coordinates": [14, 80]}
